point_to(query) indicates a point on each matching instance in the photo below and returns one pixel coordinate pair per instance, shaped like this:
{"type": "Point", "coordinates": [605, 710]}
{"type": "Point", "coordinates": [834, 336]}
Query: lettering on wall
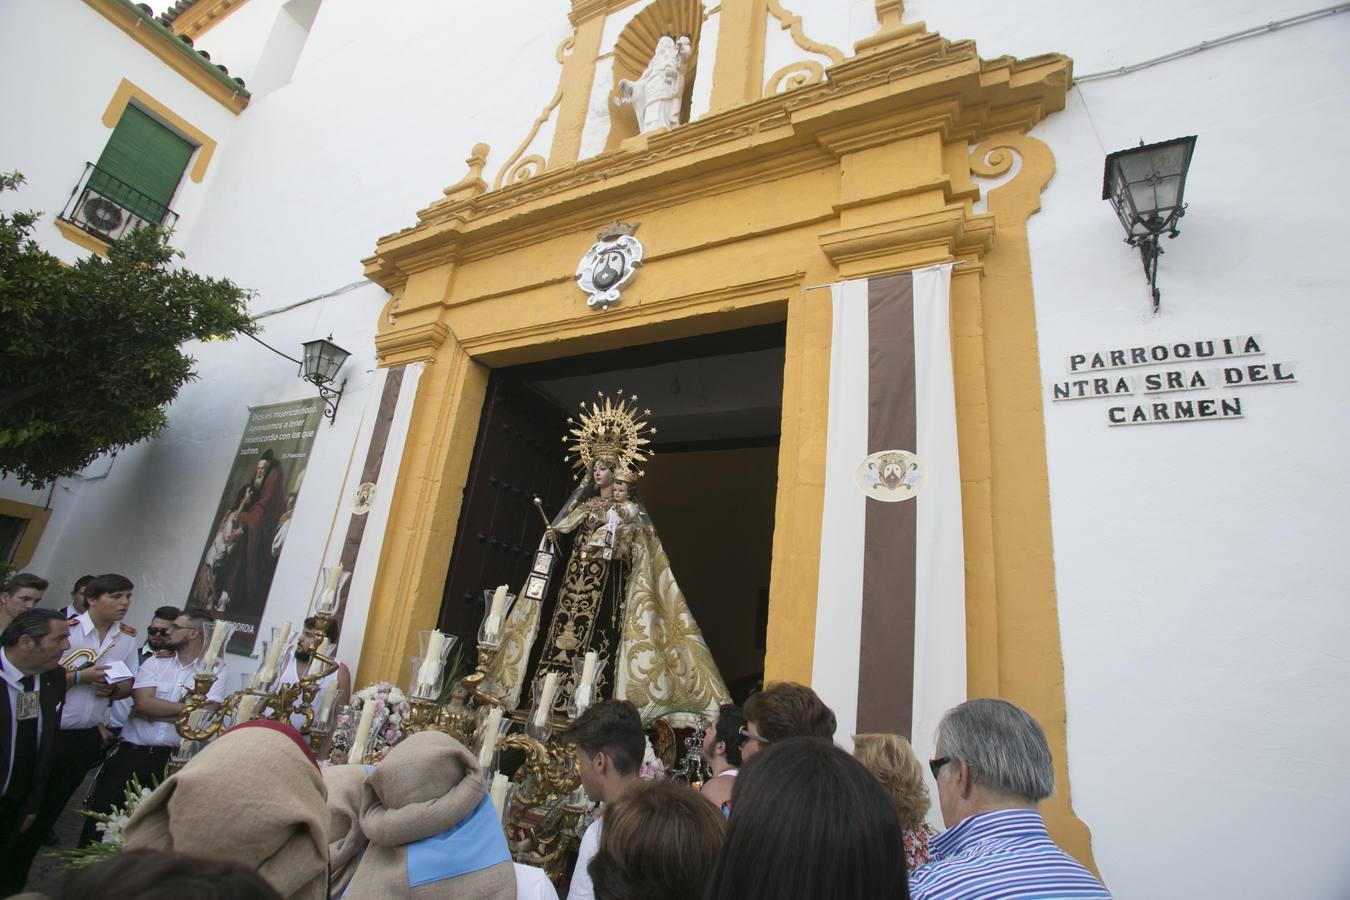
{"type": "Point", "coordinates": [1172, 391]}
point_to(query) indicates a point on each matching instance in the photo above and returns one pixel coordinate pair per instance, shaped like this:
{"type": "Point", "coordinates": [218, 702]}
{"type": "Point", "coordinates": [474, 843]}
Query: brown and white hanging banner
{"type": "Point", "coordinates": [890, 620]}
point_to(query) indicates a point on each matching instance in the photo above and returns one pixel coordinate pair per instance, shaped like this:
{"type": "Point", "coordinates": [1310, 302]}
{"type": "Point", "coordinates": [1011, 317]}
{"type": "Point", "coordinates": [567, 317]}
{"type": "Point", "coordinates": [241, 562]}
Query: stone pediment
{"type": "Point", "coordinates": [923, 84]}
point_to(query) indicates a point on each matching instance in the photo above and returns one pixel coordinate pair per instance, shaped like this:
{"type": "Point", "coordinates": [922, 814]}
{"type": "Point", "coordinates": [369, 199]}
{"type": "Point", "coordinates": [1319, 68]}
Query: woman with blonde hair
{"type": "Point", "coordinates": [891, 761]}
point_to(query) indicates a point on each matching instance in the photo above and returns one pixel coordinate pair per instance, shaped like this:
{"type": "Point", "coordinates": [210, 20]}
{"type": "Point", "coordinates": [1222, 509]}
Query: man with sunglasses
{"type": "Point", "coordinates": [150, 735]}
{"type": "Point", "coordinates": [782, 710]}
{"type": "Point", "coordinates": [156, 644]}
{"type": "Point", "coordinates": [993, 768]}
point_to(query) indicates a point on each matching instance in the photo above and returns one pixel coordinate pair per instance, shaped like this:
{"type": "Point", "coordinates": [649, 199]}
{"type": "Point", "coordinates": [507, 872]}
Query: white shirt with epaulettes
{"type": "Point", "coordinates": [84, 708]}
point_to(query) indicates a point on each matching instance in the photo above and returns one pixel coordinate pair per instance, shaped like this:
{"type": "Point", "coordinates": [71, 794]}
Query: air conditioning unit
{"type": "Point", "coordinates": [105, 216]}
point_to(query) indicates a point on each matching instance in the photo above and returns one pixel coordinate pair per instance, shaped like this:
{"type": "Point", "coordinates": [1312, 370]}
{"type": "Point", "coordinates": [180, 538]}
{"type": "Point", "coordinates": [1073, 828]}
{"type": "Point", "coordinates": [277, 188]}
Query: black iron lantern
{"type": "Point", "coordinates": [322, 361]}
{"type": "Point", "coordinates": [1145, 185]}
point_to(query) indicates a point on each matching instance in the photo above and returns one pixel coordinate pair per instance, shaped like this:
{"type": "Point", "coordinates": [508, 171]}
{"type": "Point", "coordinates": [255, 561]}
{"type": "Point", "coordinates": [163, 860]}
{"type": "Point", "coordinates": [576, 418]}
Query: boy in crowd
{"type": "Point", "coordinates": [110, 648]}
{"type": "Point", "coordinates": [20, 593]}
{"type": "Point", "coordinates": [610, 743]}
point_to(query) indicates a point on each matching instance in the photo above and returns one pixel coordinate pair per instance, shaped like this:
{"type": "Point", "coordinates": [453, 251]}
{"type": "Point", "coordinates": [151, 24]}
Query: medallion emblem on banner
{"type": "Point", "coordinates": [609, 265]}
{"type": "Point", "coordinates": [890, 475]}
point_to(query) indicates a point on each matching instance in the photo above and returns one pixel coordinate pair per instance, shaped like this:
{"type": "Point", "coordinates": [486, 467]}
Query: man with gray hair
{"type": "Point", "coordinates": [993, 768]}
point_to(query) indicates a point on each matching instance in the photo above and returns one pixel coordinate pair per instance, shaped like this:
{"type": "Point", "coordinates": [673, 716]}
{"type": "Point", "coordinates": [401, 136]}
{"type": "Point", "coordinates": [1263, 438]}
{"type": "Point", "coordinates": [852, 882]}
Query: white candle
{"type": "Point", "coordinates": [494, 620]}
{"type": "Point", "coordinates": [333, 581]}
{"type": "Point", "coordinates": [546, 699]}
{"type": "Point", "coordinates": [325, 716]}
{"type": "Point", "coordinates": [499, 785]}
{"type": "Point", "coordinates": [490, 732]}
{"type": "Point", "coordinates": [587, 678]}
{"type": "Point", "coordinates": [430, 671]}
{"type": "Point", "coordinates": [247, 708]}
{"type": "Point", "coordinates": [315, 664]}
{"type": "Point", "coordinates": [213, 649]}
{"type": "Point", "coordinates": [269, 666]}
{"type": "Point", "coordinates": [358, 750]}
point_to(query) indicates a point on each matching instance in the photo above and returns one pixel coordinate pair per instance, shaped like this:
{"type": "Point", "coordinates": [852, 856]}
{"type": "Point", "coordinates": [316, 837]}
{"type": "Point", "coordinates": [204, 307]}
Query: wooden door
{"type": "Point", "coordinates": [519, 455]}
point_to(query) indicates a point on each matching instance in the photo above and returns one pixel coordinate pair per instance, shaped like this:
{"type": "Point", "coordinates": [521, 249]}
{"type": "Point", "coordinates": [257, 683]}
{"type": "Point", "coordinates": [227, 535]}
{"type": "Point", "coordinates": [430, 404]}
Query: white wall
{"type": "Point", "coordinates": [237, 41]}
{"type": "Point", "coordinates": [64, 63]}
{"type": "Point", "coordinates": [376, 118]}
{"type": "Point", "coordinates": [1200, 568]}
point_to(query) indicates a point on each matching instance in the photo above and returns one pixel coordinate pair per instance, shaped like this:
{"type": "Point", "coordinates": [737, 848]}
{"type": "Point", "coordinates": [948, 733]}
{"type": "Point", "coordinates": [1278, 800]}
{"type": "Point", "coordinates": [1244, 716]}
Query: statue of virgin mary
{"type": "Point", "coordinates": [617, 596]}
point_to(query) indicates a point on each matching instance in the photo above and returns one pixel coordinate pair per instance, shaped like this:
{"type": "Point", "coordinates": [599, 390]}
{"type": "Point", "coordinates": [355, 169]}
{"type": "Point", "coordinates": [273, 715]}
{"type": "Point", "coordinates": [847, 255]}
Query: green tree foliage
{"type": "Point", "coordinates": [91, 352]}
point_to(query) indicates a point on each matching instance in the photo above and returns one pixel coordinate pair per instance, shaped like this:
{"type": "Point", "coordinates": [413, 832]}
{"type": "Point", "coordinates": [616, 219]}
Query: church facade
{"type": "Point", "coordinates": [1165, 600]}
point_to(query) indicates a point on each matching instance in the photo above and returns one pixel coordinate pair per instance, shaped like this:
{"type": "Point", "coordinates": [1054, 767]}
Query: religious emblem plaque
{"type": "Point", "coordinates": [609, 265]}
{"type": "Point", "coordinates": [891, 475]}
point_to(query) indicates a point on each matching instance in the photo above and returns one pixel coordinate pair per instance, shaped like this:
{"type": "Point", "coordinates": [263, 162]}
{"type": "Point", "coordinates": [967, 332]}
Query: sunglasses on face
{"type": "Point", "coordinates": [158, 632]}
{"type": "Point", "coordinates": [745, 733]}
{"type": "Point", "coordinates": [935, 765]}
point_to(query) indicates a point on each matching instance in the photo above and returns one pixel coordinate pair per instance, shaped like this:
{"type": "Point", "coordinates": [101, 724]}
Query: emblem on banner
{"type": "Point", "coordinates": [609, 265]}
{"type": "Point", "coordinates": [365, 495]}
{"type": "Point", "coordinates": [891, 475]}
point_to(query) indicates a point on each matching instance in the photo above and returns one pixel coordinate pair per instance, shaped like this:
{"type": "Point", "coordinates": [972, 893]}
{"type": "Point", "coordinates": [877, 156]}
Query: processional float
{"type": "Point", "coordinates": [531, 769]}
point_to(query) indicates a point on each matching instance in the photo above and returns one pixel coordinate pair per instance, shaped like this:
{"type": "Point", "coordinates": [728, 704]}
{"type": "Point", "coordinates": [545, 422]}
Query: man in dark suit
{"type": "Point", "coordinates": [32, 690]}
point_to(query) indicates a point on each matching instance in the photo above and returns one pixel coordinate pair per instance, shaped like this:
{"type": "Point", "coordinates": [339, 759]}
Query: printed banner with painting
{"type": "Point", "coordinates": [249, 528]}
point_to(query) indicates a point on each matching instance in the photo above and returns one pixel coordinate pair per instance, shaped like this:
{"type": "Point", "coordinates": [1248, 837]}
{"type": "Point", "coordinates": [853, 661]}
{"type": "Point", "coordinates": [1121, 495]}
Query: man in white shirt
{"type": "Point", "coordinates": [305, 645]}
{"type": "Point", "coordinates": [610, 745]}
{"type": "Point", "coordinates": [77, 604]}
{"type": "Point", "coordinates": [156, 644]}
{"type": "Point", "coordinates": [151, 733]}
{"type": "Point", "coordinates": [101, 646]}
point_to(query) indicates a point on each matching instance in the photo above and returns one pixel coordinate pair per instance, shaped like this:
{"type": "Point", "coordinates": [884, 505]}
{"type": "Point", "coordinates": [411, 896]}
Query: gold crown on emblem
{"type": "Point", "coordinates": [616, 230]}
{"type": "Point", "coordinates": [611, 429]}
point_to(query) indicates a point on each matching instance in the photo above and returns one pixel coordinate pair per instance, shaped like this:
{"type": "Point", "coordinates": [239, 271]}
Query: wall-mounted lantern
{"type": "Point", "coordinates": [322, 361]}
{"type": "Point", "coordinates": [1145, 185]}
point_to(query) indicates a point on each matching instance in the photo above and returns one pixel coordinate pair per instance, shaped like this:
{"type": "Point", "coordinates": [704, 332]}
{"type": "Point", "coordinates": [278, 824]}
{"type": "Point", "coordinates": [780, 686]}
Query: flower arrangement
{"type": "Point", "coordinates": [388, 725]}
{"type": "Point", "coordinates": [110, 825]}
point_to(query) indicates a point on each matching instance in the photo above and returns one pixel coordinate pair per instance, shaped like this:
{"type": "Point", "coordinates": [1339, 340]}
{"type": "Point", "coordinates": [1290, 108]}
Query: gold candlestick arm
{"type": "Point", "coordinates": [195, 699]}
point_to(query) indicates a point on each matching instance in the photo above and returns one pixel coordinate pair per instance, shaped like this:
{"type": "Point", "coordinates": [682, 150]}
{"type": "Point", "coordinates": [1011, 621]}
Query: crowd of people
{"type": "Point", "coordinates": [786, 812]}
{"type": "Point", "coordinates": [84, 695]}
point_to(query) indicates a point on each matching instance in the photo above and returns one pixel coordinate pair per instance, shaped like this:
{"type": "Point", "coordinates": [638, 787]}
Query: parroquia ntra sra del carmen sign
{"type": "Point", "coordinates": [1188, 381]}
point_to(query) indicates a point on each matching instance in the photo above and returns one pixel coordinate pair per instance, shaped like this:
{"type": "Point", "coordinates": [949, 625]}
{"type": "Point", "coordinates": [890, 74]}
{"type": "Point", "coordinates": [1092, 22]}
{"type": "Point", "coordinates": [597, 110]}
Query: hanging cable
{"type": "Point", "coordinates": [1217, 42]}
{"type": "Point", "coordinates": [351, 286]}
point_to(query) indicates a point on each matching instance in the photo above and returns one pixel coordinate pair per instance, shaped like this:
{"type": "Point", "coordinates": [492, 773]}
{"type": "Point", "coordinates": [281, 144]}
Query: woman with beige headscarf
{"type": "Point", "coordinates": [253, 796]}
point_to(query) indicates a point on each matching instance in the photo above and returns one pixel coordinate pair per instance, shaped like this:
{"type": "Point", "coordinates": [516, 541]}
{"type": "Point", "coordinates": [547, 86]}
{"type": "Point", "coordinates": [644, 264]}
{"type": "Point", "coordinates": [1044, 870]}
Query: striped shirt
{"type": "Point", "coordinates": [1002, 854]}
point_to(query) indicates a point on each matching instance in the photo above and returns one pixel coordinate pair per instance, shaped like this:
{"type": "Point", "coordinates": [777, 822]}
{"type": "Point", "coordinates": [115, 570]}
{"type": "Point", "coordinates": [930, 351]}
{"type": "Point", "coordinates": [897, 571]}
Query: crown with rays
{"type": "Point", "coordinates": [612, 429]}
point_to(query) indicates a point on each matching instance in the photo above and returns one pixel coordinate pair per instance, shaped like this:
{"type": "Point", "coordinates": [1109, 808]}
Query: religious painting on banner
{"type": "Point", "coordinates": [250, 524]}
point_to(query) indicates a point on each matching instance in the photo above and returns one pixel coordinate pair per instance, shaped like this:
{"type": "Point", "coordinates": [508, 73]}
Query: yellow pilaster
{"type": "Point", "coordinates": [1014, 651]}
{"type": "Point", "coordinates": [738, 70]}
{"type": "Point", "coordinates": [790, 649]}
{"type": "Point", "coordinates": [577, 75]}
{"type": "Point", "coordinates": [416, 553]}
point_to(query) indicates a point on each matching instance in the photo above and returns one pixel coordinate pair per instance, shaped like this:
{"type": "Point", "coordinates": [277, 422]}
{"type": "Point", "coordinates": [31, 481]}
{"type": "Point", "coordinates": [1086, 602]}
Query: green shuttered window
{"type": "Point", "coordinates": [141, 166]}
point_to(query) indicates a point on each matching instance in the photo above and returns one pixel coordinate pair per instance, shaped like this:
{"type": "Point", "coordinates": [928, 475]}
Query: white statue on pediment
{"type": "Point", "coordinates": [657, 95]}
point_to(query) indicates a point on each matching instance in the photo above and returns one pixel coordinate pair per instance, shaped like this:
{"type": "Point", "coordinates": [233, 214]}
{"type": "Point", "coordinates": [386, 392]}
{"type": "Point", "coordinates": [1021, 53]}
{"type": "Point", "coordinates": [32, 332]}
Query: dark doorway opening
{"type": "Point", "coordinates": [716, 402]}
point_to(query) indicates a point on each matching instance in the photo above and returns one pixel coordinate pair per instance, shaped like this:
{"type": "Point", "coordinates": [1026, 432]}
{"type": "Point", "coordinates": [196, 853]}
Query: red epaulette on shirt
{"type": "Point", "coordinates": [73, 621]}
{"type": "Point", "coordinates": [127, 629]}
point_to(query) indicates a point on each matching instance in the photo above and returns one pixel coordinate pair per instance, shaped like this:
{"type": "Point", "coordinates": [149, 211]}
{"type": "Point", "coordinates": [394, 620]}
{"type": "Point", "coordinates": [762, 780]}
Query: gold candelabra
{"type": "Point", "coordinates": [196, 699]}
{"type": "Point", "coordinates": [297, 698]}
{"type": "Point", "coordinates": [542, 823]}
